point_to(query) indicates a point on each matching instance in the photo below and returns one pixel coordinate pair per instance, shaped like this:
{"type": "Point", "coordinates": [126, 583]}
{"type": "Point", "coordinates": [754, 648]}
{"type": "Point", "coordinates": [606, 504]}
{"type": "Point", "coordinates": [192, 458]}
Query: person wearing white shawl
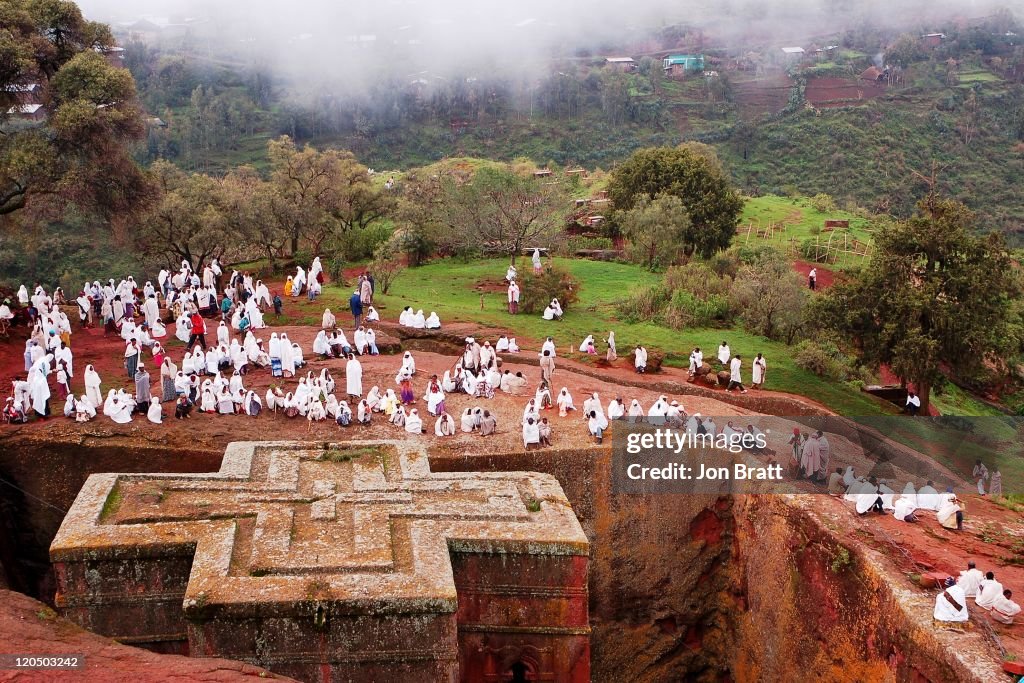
{"type": "Point", "coordinates": [494, 377]}
{"type": "Point", "coordinates": [329, 321]}
{"type": "Point", "coordinates": [928, 497]}
{"type": "Point", "coordinates": [223, 334]}
{"type": "Point", "coordinates": [597, 423]}
{"type": "Point", "coordinates": [151, 310]}
{"type": "Point", "coordinates": [564, 402]}
{"type": "Point", "coordinates": [512, 346]}
{"type": "Point", "coordinates": [486, 355]}
{"type": "Point", "coordinates": [287, 355]}
{"type": "Point", "coordinates": [444, 426]}
{"type": "Point", "coordinates": [405, 317]}
{"type": "Point", "coordinates": [262, 294]}
{"type": "Point", "coordinates": [466, 421]}
{"type": "Point", "coordinates": [612, 353]}
{"type": "Point", "coordinates": [23, 295]}
{"type": "Point", "coordinates": [549, 313]}
{"type": "Point", "coordinates": [389, 403]}
{"type": "Point", "coordinates": [315, 411]}
{"type": "Point", "coordinates": [542, 397]}
{"type": "Point", "coordinates": [212, 361]}
{"type": "Point", "coordinates": [331, 406]}
{"type": "Point", "coordinates": [448, 383]}
{"type": "Point", "coordinates": [225, 402]}
{"type": "Point", "coordinates": [92, 385]}
{"type": "Point", "coordinates": [343, 414]}
{"type": "Point", "coordinates": [327, 381]}
{"type": "Point", "coordinates": [374, 398]}
{"type": "Point", "coordinates": [903, 510]}
{"type": "Point", "coordinates": [469, 382]}
{"type": "Point", "coordinates": [408, 364]}
{"type": "Point", "coordinates": [435, 397]}
{"type": "Point", "coordinates": [548, 345]}
{"type": "Point", "coordinates": [85, 410]}
{"type": "Point", "coordinates": [298, 281]}
{"type": "Point", "coordinates": [353, 377]}
{"type": "Point", "coordinates": [588, 343]}
{"type": "Point", "coordinates": [250, 346]}
{"type": "Point", "coordinates": [155, 414]}
{"type": "Point", "coordinates": [636, 411]}
{"type": "Point", "coordinates": [297, 358]}
{"type": "Point", "coordinates": [255, 315]}
{"type": "Point", "coordinates": [591, 404]}
{"type": "Point", "coordinates": [320, 346]}
{"type": "Point", "coordinates": [536, 260]}
{"type": "Point", "coordinates": [372, 315]}
{"type": "Point", "coordinates": [616, 408]}
{"type": "Point", "coordinates": [363, 413]}
{"type": "Point", "coordinates": [315, 269]}
{"type": "Point", "coordinates": [120, 410]}
{"type": "Point", "coordinates": [433, 322]}
{"type": "Point", "coordinates": [69, 405]}
{"type": "Point", "coordinates": [909, 494]}
{"type": "Point", "coordinates": [398, 417]}
{"type": "Point", "coordinates": [724, 354]}
{"type": "Point", "coordinates": [502, 344]}
{"type": "Point", "coordinates": [274, 349]}
{"type": "Point", "coordinates": [39, 386]}
{"type": "Point", "coordinates": [183, 328]}
{"type": "Point", "coordinates": [867, 497]}
{"type": "Point", "coordinates": [413, 422]}
{"type": "Point", "coordinates": [275, 399]}
{"type": "Point", "coordinates": [531, 411]}
{"type": "Point", "coordinates": [418, 322]}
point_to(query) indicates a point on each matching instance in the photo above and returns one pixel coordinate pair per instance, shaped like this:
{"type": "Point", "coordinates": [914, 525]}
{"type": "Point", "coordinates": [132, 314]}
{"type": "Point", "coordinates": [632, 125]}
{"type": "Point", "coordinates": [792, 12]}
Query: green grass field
{"type": "Point", "coordinates": [450, 288]}
{"type": "Point", "coordinates": [787, 222]}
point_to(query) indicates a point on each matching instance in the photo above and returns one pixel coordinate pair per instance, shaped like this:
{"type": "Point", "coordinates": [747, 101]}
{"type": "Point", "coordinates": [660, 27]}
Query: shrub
{"type": "Point", "coordinates": [698, 278]}
{"type": "Point", "coordinates": [642, 305]}
{"type": "Point", "coordinates": [825, 360]}
{"type": "Point", "coordinates": [687, 310]}
{"type": "Point", "coordinates": [552, 283]}
{"type": "Point", "coordinates": [823, 203]}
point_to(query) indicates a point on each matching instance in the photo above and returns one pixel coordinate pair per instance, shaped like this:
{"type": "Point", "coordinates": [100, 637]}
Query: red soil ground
{"type": "Point", "coordinates": [826, 278]}
{"type": "Point", "coordinates": [839, 92]}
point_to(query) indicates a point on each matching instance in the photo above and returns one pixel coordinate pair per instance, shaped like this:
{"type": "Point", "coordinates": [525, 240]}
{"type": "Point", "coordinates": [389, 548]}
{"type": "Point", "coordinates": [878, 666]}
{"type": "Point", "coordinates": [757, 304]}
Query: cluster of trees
{"type": "Point", "coordinates": [495, 209]}
{"type": "Point", "coordinates": [309, 198]}
{"type": "Point", "coordinates": [79, 154]}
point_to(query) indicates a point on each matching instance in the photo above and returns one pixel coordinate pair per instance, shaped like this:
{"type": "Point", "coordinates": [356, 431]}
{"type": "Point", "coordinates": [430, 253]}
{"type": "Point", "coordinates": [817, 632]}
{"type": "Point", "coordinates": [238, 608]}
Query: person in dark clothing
{"type": "Point", "coordinates": [356, 304]}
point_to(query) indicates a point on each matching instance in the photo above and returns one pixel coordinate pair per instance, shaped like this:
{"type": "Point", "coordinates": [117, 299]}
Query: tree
{"type": "Point", "coordinates": [657, 231]}
{"type": "Point", "coordinates": [245, 204]}
{"type": "Point", "coordinates": [502, 210]}
{"type": "Point", "coordinates": [186, 222]}
{"type": "Point", "coordinates": [317, 194]}
{"type": "Point", "coordinates": [770, 297]}
{"type": "Point", "coordinates": [710, 201]}
{"type": "Point", "coordinates": [386, 265]}
{"type": "Point", "coordinates": [79, 154]}
{"type": "Point", "coordinates": [934, 295]}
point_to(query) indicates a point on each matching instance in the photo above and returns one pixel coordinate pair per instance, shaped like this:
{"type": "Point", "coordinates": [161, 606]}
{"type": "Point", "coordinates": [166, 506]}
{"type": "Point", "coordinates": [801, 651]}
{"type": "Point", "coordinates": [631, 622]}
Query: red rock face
{"type": "Point", "coordinates": [29, 627]}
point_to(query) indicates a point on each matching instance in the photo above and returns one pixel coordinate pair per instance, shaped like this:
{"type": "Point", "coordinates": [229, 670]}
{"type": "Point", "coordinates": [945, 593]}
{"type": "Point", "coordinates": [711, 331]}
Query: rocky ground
{"type": "Point", "coordinates": [28, 627]}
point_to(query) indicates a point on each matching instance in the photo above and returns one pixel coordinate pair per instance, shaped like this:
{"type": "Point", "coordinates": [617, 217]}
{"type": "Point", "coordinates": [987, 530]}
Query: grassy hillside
{"type": "Point", "coordinates": [454, 290]}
